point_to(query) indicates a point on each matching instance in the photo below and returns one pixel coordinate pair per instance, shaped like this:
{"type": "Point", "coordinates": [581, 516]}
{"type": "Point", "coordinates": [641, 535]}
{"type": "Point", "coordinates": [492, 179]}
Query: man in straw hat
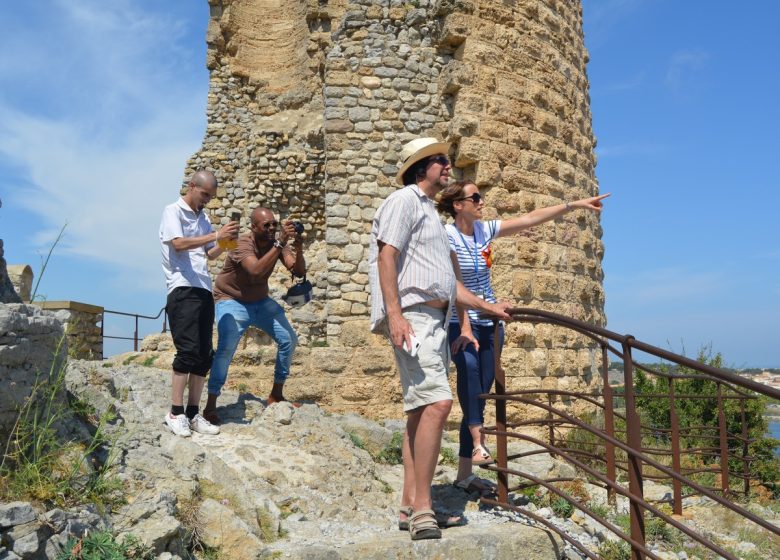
{"type": "Point", "coordinates": [414, 276]}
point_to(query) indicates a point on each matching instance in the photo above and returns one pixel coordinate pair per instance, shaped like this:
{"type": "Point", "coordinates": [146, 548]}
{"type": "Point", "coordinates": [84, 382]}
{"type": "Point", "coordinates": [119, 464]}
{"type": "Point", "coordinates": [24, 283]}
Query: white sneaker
{"type": "Point", "coordinates": [203, 426]}
{"type": "Point", "coordinates": [179, 425]}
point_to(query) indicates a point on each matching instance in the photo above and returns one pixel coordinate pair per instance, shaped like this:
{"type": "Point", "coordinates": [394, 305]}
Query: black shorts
{"type": "Point", "coordinates": [191, 316]}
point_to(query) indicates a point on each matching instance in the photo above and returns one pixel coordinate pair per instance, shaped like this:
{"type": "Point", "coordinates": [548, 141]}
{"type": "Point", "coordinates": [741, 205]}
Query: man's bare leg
{"type": "Point", "coordinates": [412, 422]}
{"type": "Point", "coordinates": [424, 444]}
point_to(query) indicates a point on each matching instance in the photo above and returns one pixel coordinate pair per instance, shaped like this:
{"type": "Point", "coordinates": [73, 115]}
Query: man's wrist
{"type": "Point", "coordinates": [278, 244]}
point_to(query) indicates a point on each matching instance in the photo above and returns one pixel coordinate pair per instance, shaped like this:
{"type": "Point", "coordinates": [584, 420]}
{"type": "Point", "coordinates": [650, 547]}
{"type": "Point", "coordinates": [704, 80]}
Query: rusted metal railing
{"type": "Point", "coordinates": [137, 316]}
{"type": "Point", "coordinates": [619, 450]}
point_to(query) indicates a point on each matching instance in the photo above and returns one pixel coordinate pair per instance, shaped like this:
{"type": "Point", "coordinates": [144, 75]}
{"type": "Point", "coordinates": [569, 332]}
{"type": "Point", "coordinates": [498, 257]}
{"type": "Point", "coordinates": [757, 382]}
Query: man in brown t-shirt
{"type": "Point", "coordinates": [241, 295]}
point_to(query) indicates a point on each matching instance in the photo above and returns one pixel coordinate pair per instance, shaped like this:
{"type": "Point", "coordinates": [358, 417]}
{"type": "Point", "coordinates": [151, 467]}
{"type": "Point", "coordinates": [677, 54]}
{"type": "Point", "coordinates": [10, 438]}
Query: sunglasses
{"type": "Point", "coordinates": [475, 198]}
{"type": "Point", "coordinates": [268, 225]}
{"type": "Point", "coordinates": [441, 160]}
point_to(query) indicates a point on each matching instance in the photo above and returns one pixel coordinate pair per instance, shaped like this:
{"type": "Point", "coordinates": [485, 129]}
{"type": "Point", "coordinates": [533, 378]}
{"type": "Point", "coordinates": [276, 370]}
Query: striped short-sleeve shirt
{"type": "Point", "coordinates": [475, 260]}
{"type": "Point", "coordinates": [408, 221]}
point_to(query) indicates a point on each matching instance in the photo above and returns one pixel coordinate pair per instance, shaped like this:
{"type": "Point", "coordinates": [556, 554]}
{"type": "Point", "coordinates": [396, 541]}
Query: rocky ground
{"type": "Point", "coordinates": [280, 482]}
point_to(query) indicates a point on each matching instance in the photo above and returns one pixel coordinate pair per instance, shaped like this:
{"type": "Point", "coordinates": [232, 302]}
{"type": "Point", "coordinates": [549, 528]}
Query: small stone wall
{"type": "Point", "coordinates": [29, 343]}
{"type": "Point", "coordinates": [21, 276]}
{"type": "Point", "coordinates": [82, 325]}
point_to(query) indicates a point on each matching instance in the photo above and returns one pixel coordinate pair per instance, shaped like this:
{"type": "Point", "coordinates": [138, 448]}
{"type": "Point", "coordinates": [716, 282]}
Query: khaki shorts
{"type": "Point", "coordinates": [424, 377]}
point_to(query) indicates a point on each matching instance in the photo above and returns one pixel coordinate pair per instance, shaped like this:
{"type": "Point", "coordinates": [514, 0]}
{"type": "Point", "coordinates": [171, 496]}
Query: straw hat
{"type": "Point", "coordinates": [416, 150]}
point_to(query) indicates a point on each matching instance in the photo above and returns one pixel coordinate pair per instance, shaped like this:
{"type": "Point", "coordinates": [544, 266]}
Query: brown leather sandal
{"type": "Point", "coordinates": [422, 525]}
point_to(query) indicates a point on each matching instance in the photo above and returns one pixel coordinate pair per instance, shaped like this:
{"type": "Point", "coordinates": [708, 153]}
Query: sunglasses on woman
{"type": "Point", "coordinates": [475, 198]}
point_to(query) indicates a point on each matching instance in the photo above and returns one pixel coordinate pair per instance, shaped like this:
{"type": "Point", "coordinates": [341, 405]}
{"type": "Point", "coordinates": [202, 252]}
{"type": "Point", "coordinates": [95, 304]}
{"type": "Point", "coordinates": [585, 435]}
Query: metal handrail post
{"type": "Point", "coordinates": [501, 438]}
{"type": "Point", "coordinates": [609, 425]}
{"type": "Point", "coordinates": [745, 450]}
{"type": "Point", "coordinates": [550, 425]}
{"type": "Point", "coordinates": [634, 441]}
{"type": "Point", "coordinates": [676, 463]}
{"type": "Point", "coordinates": [724, 443]}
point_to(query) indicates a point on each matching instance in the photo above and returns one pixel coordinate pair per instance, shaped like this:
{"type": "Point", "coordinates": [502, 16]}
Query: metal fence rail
{"type": "Point", "coordinates": [619, 439]}
{"type": "Point", "coordinates": [137, 316]}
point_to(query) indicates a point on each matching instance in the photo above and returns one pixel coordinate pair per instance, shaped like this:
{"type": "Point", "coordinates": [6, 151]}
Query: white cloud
{"type": "Point", "coordinates": [101, 121]}
{"type": "Point", "coordinates": [626, 84]}
{"type": "Point", "coordinates": [684, 66]}
{"type": "Point", "coordinates": [600, 15]}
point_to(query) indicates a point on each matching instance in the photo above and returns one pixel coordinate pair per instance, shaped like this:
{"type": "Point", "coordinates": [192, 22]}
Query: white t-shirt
{"type": "Point", "coordinates": [184, 268]}
{"type": "Point", "coordinates": [473, 253]}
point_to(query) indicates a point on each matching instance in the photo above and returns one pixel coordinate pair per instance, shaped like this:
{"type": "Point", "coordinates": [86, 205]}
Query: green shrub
{"type": "Point", "coordinates": [614, 550]}
{"type": "Point", "coordinates": [39, 465]}
{"type": "Point", "coordinates": [561, 507]}
{"type": "Point", "coordinates": [356, 441]}
{"type": "Point", "coordinates": [103, 546]}
{"type": "Point", "coordinates": [704, 412]}
{"type": "Point", "coordinates": [392, 453]}
{"type": "Point", "coordinates": [658, 529]}
{"type": "Point", "coordinates": [448, 457]}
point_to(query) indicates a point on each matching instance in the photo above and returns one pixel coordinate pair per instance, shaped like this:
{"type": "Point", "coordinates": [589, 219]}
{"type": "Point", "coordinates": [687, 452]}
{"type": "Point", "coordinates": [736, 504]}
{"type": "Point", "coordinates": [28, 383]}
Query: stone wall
{"type": "Point", "coordinates": [30, 339]}
{"type": "Point", "coordinates": [82, 324]}
{"type": "Point", "coordinates": [7, 291]}
{"type": "Point", "coordinates": [21, 276]}
{"type": "Point", "coordinates": [312, 127]}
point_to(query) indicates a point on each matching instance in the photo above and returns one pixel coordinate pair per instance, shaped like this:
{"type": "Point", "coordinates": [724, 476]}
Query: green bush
{"type": "Point", "coordinates": [356, 441]}
{"type": "Point", "coordinates": [561, 507]}
{"type": "Point", "coordinates": [392, 454]}
{"type": "Point", "coordinates": [704, 412]}
{"type": "Point", "coordinates": [614, 550]}
{"type": "Point", "coordinates": [39, 465]}
{"type": "Point", "coordinates": [103, 546]}
{"type": "Point", "coordinates": [448, 457]}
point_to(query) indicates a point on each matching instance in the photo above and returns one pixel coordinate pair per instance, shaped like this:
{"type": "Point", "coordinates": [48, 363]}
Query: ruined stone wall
{"type": "Point", "coordinates": [83, 327]}
{"type": "Point", "coordinates": [311, 127]}
{"type": "Point", "coordinates": [31, 347]}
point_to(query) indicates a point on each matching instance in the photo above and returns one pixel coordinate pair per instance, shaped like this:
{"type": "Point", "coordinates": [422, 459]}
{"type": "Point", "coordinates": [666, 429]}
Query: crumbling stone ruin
{"type": "Point", "coordinates": [309, 104]}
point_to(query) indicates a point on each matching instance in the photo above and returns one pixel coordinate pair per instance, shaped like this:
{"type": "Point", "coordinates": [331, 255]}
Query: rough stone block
{"type": "Point", "coordinates": [16, 513]}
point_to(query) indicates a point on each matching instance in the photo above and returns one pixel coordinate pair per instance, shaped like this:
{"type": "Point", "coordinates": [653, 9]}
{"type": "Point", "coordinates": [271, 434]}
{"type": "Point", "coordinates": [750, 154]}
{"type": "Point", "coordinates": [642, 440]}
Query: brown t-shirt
{"type": "Point", "coordinates": [234, 282]}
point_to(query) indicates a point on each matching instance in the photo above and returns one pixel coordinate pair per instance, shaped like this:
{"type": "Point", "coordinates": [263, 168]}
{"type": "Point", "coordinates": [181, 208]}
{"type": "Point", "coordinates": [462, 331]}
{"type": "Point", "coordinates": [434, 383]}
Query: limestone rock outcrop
{"type": "Point", "coordinates": [31, 348]}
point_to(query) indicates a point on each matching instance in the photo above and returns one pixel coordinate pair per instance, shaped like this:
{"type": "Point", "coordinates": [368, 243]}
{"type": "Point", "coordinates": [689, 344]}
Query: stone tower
{"type": "Point", "coordinates": [309, 104]}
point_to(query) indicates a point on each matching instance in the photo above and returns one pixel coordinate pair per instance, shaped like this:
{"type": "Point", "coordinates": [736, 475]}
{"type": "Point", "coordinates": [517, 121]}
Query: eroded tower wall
{"type": "Point", "coordinates": [309, 105]}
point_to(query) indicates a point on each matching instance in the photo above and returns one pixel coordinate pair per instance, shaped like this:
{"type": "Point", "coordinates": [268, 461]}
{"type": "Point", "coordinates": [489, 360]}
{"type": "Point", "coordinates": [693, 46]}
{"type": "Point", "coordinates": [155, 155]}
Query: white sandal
{"type": "Point", "coordinates": [481, 456]}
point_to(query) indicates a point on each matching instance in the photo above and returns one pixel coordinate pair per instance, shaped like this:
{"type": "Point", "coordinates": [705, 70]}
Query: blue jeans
{"type": "Point", "coordinates": [476, 373]}
{"type": "Point", "coordinates": [233, 318]}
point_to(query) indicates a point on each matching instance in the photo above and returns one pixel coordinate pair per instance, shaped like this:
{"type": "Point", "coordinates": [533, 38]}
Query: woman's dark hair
{"type": "Point", "coordinates": [449, 195]}
{"type": "Point", "coordinates": [416, 171]}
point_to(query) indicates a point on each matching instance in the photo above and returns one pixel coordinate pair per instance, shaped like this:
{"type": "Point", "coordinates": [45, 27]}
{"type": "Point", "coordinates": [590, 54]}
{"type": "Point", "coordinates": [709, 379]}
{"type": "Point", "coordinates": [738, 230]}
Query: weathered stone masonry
{"type": "Point", "coordinates": [309, 104]}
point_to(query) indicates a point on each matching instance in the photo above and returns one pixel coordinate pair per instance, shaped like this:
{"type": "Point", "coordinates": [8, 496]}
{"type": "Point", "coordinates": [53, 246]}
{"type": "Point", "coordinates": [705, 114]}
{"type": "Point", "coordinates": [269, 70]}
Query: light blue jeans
{"type": "Point", "coordinates": [233, 318]}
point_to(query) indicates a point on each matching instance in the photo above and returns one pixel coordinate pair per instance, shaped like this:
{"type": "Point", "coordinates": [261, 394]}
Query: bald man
{"type": "Point", "coordinates": [187, 241]}
{"type": "Point", "coordinates": [241, 293]}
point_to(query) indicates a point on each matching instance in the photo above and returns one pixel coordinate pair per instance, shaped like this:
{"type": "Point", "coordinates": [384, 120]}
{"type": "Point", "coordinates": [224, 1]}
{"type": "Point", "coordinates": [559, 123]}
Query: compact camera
{"type": "Point", "coordinates": [298, 228]}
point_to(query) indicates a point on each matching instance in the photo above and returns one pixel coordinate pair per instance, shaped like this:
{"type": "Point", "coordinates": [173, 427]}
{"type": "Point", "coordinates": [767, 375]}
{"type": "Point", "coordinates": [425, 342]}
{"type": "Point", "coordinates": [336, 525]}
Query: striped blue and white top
{"type": "Point", "coordinates": [473, 253]}
{"type": "Point", "coordinates": [408, 221]}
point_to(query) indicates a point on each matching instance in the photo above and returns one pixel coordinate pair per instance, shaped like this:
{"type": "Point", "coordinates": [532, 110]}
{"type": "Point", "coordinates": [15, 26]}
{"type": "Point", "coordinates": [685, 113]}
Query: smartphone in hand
{"type": "Point", "coordinates": [415, 347]}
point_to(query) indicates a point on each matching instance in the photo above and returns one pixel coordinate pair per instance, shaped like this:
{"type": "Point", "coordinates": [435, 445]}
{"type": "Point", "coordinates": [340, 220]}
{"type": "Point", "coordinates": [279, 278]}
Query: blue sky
{"type": "Point", "coordinates": [684, 103]}
{"type": "Point", "coordinates": [102, 103]}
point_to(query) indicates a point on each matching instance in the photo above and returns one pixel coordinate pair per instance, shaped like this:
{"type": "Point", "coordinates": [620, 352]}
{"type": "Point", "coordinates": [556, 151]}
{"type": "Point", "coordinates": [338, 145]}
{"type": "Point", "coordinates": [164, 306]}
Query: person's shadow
{"type": "Point", "coordinates": [236, 413]}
